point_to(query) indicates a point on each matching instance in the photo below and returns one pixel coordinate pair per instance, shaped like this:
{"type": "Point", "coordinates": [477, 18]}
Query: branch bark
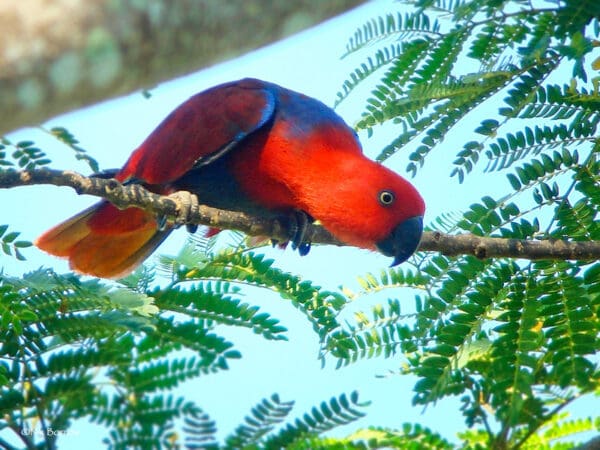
{"type": "Point", "coordinates": [450, 245]}
{"type": "Point", "coordinates": [60, 55]}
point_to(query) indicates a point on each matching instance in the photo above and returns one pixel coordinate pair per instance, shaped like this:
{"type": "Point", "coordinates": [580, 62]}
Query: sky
{"type": "Point", "coordinates": [308, 62]}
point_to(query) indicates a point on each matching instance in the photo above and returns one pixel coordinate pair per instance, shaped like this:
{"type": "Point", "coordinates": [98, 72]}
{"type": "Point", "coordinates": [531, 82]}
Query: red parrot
{"type": "Point", "coordinates": [255, 147]}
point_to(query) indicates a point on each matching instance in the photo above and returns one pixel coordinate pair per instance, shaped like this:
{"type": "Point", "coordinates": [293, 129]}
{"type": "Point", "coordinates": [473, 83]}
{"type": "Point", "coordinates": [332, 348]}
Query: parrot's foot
{"type": "Point", "coordinates": [298, 222]}
{"type": "Point", "coordinates": [187, 207]}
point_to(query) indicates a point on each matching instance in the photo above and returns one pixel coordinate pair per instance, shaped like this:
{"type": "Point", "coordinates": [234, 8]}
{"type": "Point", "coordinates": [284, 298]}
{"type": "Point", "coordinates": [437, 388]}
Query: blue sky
{"type": "Point", "coordinates": [310, 63]}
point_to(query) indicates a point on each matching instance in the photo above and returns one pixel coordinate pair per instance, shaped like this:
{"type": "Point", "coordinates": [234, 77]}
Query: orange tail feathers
{"type": "Point", "coordinates": [103, 240]}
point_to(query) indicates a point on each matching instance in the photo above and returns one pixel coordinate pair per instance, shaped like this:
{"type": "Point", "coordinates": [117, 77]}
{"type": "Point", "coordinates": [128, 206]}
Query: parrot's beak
{"type": "Point", "coordinates": [403, 240]}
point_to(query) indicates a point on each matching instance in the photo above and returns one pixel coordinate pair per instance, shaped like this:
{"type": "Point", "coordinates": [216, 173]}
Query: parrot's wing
{"type": "Point", "coordinates": [201, 130]}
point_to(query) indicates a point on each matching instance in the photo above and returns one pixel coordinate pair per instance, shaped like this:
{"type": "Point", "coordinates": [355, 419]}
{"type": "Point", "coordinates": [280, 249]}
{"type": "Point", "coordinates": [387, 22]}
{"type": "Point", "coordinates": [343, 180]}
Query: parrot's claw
{"type": "Point", "coordinates": [191, 227]}
{"type": "Point", "coordinates": [187, 207]}
{"type": "Point", "coordinates": [298, 226]}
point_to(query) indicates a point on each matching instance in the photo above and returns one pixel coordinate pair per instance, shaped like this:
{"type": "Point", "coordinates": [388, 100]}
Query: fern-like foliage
{"type": "Point", "coordinates": [10, 245]}
{"type": "Point", "coordinates": [342, 410]}
{"type": "Point", "coordinates": [397, 27]}
{"type": "Point", "coordinates": [67, 138]}
{"type": "Point", "coordinates": [245, 267]}
{"type": "Point", "coordinates": [263, 418]}
{"type": "Point", "coordinates": [64, 338]}
{"type": "Point", "coordinates": [409, 436]}
{"type": "Point", "coordinates": [425, 90]}
{"type": "Point", "coordinates": [23, 154]}
{"type": "Point", "coordinates": [516, 341]}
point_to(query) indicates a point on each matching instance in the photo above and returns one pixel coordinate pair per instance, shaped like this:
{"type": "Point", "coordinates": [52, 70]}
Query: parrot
{"type": "Point", "coordinates": [256, 147]}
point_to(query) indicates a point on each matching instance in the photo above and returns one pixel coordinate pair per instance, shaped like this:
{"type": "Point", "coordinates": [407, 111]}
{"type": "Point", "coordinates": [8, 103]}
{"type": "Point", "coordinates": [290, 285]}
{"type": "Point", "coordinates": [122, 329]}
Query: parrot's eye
{"type": "Point", "coordinates": [386, 198]}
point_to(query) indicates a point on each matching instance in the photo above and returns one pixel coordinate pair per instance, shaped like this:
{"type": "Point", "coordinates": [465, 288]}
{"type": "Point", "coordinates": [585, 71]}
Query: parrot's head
{"type": "Point", "coordinates": [370, 206]}
{"type": "Point", "coordinates": [320, 168]}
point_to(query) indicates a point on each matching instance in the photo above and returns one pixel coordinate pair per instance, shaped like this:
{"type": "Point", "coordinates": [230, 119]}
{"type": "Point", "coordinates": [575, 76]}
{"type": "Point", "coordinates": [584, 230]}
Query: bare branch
{"type": "Point", "coordinates": [491, 247]}
{"type": "Point", "coordinates": [450, 245]}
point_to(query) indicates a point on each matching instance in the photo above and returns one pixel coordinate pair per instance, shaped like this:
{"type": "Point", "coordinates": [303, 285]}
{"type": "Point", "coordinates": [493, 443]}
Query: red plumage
{"type": "Point", "coordinates": [251, 146]}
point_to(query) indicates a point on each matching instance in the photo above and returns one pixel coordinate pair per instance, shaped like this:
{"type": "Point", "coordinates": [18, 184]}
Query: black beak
{"type": "Point", "coordinates": [403, 240]}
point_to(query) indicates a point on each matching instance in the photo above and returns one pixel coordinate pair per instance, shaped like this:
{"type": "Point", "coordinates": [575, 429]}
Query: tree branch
{"type": "Point", "coordinates": [61, 55]}
{"type": "Point", "coordinates": [450, 245]}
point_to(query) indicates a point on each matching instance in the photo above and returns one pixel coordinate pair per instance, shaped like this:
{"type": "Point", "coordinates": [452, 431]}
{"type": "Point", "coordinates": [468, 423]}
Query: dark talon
{"type": "Point", "coordinates": [304, 248]}
{"type": "Point", "coordinates": [298, 226]}
{"type": "Point", "coordinates": [191, 227]}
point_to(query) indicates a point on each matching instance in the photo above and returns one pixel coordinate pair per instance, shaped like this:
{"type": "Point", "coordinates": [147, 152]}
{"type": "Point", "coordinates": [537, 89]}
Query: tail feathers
{"type": "Point", "coordinates": [104, 241]}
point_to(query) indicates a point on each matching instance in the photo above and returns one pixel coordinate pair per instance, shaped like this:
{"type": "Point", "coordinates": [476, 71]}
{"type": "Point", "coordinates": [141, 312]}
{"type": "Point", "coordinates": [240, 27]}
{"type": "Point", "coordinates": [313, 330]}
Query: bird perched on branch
{"type": "Point", "coordinates": [255, 147]}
